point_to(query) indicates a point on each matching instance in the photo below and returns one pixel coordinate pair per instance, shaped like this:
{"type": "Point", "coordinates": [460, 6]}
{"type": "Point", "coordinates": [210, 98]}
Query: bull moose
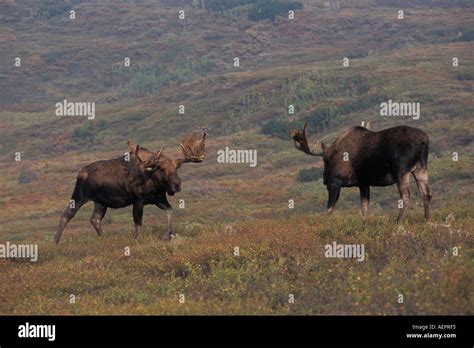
{"type": "Point", "coordinates": [363, 158]}
{"type": "Point", "coordinates": [142, 177]}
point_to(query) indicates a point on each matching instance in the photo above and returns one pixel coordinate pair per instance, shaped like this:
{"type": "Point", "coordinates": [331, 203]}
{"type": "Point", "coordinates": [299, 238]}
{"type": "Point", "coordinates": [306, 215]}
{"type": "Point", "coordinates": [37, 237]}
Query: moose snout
{"type": "Point", "coordinates": [177, 187]}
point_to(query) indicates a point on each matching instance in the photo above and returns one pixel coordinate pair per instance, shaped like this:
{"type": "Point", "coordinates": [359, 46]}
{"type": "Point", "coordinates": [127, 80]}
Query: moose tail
{"type": "Point", "coordinates": [424, 155]}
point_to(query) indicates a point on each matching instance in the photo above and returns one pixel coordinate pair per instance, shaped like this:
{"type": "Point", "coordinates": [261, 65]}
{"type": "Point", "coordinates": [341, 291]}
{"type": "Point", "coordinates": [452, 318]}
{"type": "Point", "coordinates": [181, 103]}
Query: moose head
{"type": "Point", "coordinates": [300, 139]}
{"type": "Point", "coordinates": [164, 168]}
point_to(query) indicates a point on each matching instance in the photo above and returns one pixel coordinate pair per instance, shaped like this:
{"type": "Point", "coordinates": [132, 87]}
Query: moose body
{"type": "Point", "coordinates": [140, 179]}
{"type": "Point", "coordinates": [364, 158]}
{"type": "Point", "coordinates": [117, 183]}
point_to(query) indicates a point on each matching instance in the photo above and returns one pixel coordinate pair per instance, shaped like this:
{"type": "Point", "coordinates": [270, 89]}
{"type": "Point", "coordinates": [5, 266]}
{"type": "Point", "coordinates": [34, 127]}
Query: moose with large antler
{"type": "Point", "coordinates": [140, 178]}
{"type": "Point", "coordinates": [363, 158]}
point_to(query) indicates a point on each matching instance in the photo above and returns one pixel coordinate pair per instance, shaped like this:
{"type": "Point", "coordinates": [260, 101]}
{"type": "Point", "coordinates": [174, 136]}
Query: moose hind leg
{"type": "Point", "coordinates": [404, 191]}
{"type": "Point", "coordinates": [66, 216]}
{"type": "Point", "coordinates": [421, 178]}
{"type": "Point", "coordinates": [97, 216]}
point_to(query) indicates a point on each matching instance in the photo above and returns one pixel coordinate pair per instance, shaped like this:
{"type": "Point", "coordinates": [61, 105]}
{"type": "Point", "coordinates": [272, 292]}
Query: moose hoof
{"type": "Point", "coordinates": [167, 236]}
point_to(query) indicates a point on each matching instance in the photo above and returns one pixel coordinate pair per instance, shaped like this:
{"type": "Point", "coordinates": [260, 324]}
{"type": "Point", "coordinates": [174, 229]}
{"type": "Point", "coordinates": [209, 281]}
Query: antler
{"type": "Point", "coordinates": [153, 160]}
{"type": "Point", "coordinates": [135, 150]}
{"type": "Point", "coordinates": [150, 160]}
{"type": "Point", "coordinates": [133, 147]}
{"type": "Point", "coordinates": [193, 148]}
{"type": "Point", "coordinates": [300, 139]}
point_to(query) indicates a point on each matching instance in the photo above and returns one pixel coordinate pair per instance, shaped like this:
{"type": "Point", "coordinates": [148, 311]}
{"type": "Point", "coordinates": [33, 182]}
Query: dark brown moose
{"type": "Point", "coordinates": [363, 158]}
{"type": "Point", "coordinates": [144, 177]}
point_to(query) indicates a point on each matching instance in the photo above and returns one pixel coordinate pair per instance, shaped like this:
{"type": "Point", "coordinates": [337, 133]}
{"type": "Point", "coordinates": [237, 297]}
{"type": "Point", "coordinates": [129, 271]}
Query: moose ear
{"type": "Point", "coordinates": [134, 149]}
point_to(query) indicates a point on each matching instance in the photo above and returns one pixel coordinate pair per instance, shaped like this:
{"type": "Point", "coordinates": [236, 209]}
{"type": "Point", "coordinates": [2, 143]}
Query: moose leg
{"type": "Point", "coordinates": [137, 217]}
{"type": "Point", "coordinates": [421, 178]}
{"type": "Point", "coordinates": [404, 194]}
{"type": "Point", "coordinates": [97, 216]}
{"type": "Point", "coordinates": [166, 206]}
{"type": "Point", "coordinates": [66, 216]}
{"type": "Point", "coordinates": [333, 191]}
{"type": "Point", "coordinates": [364, 199]}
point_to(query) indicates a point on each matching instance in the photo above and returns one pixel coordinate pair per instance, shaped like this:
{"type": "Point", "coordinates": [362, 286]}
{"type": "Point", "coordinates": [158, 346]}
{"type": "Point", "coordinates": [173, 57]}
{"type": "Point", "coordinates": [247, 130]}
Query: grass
{"type": "Point", "coordinates": [277, 258]}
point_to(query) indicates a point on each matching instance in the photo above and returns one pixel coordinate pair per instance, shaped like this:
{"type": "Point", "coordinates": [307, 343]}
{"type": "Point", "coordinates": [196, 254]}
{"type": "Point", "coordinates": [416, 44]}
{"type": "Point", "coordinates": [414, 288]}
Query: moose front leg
{"type": "Point", "coordinates": [166, 206]}
{"type": "Point", "coordinates": [137, 217]}
{"type": "Point", "coordinates": [364, 199]}
{"type": "Point", "coordinates": [333, 192]}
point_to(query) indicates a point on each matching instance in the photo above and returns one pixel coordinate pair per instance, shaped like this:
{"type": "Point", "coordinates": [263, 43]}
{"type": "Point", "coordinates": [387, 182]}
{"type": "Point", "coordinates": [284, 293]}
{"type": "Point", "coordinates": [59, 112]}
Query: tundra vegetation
{"type": "Point", "coordinates": [283, 62]}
